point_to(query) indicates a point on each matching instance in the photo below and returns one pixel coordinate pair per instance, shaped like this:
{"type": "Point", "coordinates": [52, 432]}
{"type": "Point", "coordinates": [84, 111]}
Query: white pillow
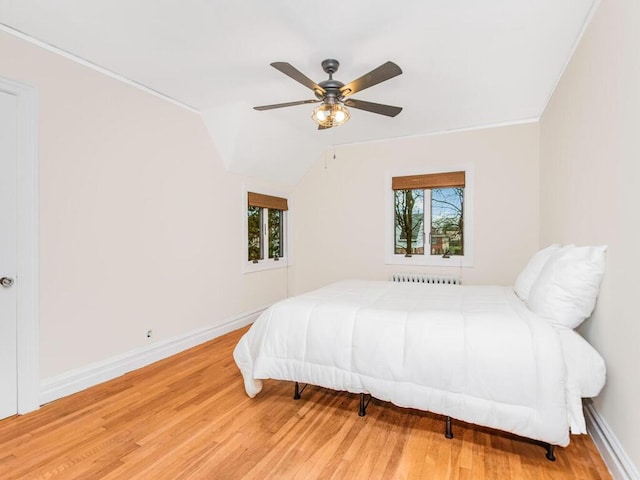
{"type": "Point", "coordinates": [530, 274]}
{"type": "Point", "coordinates": [568, 285]}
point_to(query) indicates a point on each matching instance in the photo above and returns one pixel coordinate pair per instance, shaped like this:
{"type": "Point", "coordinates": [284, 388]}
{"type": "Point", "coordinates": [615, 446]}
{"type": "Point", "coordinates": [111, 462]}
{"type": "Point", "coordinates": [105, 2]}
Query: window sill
{"type": "Point", "coordinates": [430, 260]}
{"type": "Point", "coordinates": [250, 267]}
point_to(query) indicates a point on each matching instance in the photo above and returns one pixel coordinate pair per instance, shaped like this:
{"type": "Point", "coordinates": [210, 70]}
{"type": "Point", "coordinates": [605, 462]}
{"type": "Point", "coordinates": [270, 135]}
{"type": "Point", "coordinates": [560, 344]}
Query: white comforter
{"type": "Point", "coordinates": [477, 354]}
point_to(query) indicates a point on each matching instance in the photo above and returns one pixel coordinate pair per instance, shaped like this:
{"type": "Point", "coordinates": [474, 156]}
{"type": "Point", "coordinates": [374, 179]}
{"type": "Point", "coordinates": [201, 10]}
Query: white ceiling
{"type": "Point", "coordinates": [466, 63]}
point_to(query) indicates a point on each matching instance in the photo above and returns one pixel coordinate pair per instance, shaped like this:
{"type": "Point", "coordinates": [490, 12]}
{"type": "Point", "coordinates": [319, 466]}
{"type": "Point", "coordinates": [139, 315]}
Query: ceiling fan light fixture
{"type": "Point", "coordinates": [330, 115]}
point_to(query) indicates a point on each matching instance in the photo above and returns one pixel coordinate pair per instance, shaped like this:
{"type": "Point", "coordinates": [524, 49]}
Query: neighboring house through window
{"type": "Point", "coordinates": [266, 231]}
{"type": "Point", "coordinates": [430, 219]}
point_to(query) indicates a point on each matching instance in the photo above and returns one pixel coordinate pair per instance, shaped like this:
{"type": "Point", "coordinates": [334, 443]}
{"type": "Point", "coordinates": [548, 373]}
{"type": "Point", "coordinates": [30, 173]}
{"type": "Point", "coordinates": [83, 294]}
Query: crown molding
{"type": "Point", "coordinates": [86, 63]}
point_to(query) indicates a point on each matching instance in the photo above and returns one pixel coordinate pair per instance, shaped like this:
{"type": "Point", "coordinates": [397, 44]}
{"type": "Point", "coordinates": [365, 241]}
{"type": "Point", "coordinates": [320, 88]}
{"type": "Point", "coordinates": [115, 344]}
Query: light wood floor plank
{"type": "Point", "coordinates": [188, 418]}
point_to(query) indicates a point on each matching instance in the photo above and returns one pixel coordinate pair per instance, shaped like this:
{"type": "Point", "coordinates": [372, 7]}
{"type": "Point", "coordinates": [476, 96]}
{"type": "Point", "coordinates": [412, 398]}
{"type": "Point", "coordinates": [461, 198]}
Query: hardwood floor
{"type": "Point", "coordinates": [188, 417]}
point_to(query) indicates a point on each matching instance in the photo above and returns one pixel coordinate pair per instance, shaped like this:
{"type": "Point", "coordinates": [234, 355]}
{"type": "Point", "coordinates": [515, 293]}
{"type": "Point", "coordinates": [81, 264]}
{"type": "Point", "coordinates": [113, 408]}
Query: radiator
{"type": "Point", "coordinates": [426, 278]}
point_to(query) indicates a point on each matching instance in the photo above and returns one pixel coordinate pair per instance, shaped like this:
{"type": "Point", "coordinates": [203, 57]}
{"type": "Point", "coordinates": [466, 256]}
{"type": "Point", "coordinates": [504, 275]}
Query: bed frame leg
{"type": "Point", "coordinates": [363, 405]}
{"type": "Point", "coordinates": [550, 456]}
{"type": "Point", "coordinates": [297, 390]}
{"type": "Point", "coordinates": [447, 431]}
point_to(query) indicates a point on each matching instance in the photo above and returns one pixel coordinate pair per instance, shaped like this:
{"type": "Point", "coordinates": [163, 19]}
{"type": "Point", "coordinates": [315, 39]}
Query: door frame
{"type": "Point", "coordinates": [27, 278]}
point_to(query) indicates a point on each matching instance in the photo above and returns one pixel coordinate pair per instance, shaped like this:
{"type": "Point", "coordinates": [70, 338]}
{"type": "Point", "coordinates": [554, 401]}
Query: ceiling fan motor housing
{"type": "Point", "coordinates": [331, 87]}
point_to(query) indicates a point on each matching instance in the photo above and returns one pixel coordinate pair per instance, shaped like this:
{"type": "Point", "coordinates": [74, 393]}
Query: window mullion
{"type": "Point", "coordinates": [428, 217]}
{"type": "Point", "coordinates": [427, 221]}
{"type": "Point", "coordinates": [282, 239]}
{"type": "Point", "coordinates": [265, 234]}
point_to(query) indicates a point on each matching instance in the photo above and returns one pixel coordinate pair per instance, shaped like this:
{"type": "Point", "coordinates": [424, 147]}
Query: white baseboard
{"type": "Point", "coordinates": [618, 462]}
{"type": "Point", "coordinates": [79, 379]}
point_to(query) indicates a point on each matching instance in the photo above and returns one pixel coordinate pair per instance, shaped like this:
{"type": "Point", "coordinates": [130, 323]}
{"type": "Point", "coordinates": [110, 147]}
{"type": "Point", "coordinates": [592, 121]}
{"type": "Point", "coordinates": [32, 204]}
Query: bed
{"type": "Point", "coordinates": [474, 353]}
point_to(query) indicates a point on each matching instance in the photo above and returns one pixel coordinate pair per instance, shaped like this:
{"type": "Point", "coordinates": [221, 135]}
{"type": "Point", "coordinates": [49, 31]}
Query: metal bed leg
{"type": "Point", "coordinates": [447, 431]}
{"type": "Point", "coordinates": [550, 456]}
{"type": "Point", "coordinates": [363, 406]}
{"type": "Point", "coordinates": [297, 390]}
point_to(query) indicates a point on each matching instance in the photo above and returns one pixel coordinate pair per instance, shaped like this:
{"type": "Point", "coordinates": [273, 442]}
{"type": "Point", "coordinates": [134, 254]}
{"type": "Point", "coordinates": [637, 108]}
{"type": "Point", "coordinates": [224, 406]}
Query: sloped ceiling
{"type": "Point", "coordinates": [466, 63]}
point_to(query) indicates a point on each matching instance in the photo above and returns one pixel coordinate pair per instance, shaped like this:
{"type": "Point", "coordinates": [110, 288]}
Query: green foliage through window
{"type": "Point", "coordinates": [275, 233]}
{"type": "Point", "coordinates": [255, 232]}
{"type": "Point", "coordinates": [265, 228]}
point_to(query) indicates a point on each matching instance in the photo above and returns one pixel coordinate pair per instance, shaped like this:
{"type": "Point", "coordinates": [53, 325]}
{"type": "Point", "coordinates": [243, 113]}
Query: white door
{"type": "Point", "coordinates": [8, 254]}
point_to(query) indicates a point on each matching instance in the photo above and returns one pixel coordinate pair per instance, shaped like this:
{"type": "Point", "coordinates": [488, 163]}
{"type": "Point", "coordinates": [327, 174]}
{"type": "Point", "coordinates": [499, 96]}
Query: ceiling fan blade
{"type": "Point", "coordinates": [297, 75]}
{"type": "Point", "coordinates": [388, 110]}
{"type": "Point", "coordinates": [377, 75]}
{"type": "Point", "coordinates": [281, 105]}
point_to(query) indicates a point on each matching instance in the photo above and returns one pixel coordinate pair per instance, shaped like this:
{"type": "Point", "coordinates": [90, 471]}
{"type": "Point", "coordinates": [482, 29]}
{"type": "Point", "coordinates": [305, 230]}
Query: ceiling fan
{"type": "Point", "coordinates": [335, 95]}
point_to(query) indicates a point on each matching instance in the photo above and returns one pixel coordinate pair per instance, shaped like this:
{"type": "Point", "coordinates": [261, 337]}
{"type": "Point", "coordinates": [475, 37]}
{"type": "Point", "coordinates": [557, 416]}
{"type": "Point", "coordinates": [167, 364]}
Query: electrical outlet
{"type": "Point", "coordinates": [149, 333]}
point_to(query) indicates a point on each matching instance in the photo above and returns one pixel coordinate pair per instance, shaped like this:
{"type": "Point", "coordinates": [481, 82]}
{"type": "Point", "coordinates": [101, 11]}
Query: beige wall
{"type": "Point", "coordinates": [140, 226]}
{"type": "Point", "coordinates": [339, 231]}
{"type": "Point", "coordinates": [590, 166]}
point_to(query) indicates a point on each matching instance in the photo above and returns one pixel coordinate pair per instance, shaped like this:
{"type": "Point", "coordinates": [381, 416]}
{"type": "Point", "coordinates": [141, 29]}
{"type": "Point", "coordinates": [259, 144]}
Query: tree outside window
{"type": "Point", "coordinates": [446, 221]}
{"type": "Point", "coordinates": [275, 233]}
{"type": "Point", "coordinates": [428, 226]}
{"type": "Point", "coordinates": [409, 219]}
{"type": "Point", "coordinates": [254, 219]}
{"type": "Point", "coordinates": [265, 232]}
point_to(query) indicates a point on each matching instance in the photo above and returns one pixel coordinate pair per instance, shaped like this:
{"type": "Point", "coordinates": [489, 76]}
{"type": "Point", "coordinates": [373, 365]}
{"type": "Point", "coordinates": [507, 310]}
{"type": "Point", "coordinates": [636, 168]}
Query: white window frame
{"type": "Point", "coordinates": [267, 263]}
{"type": "Point", "coordinates": [466, 260]}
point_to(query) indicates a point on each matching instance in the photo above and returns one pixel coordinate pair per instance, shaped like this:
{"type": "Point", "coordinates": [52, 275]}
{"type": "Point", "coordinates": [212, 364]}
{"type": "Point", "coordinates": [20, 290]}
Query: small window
{"type": "Point", "coordinates": [429, 213]}
{"type": "Point", "coordinates": [266, 222]}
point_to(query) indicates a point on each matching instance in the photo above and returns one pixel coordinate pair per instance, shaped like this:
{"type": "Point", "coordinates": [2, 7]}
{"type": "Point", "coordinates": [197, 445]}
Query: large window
{"type": "Point", "coordinates": [429, 213]}
{"type": "Point", "coordinates": [266, 232]}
